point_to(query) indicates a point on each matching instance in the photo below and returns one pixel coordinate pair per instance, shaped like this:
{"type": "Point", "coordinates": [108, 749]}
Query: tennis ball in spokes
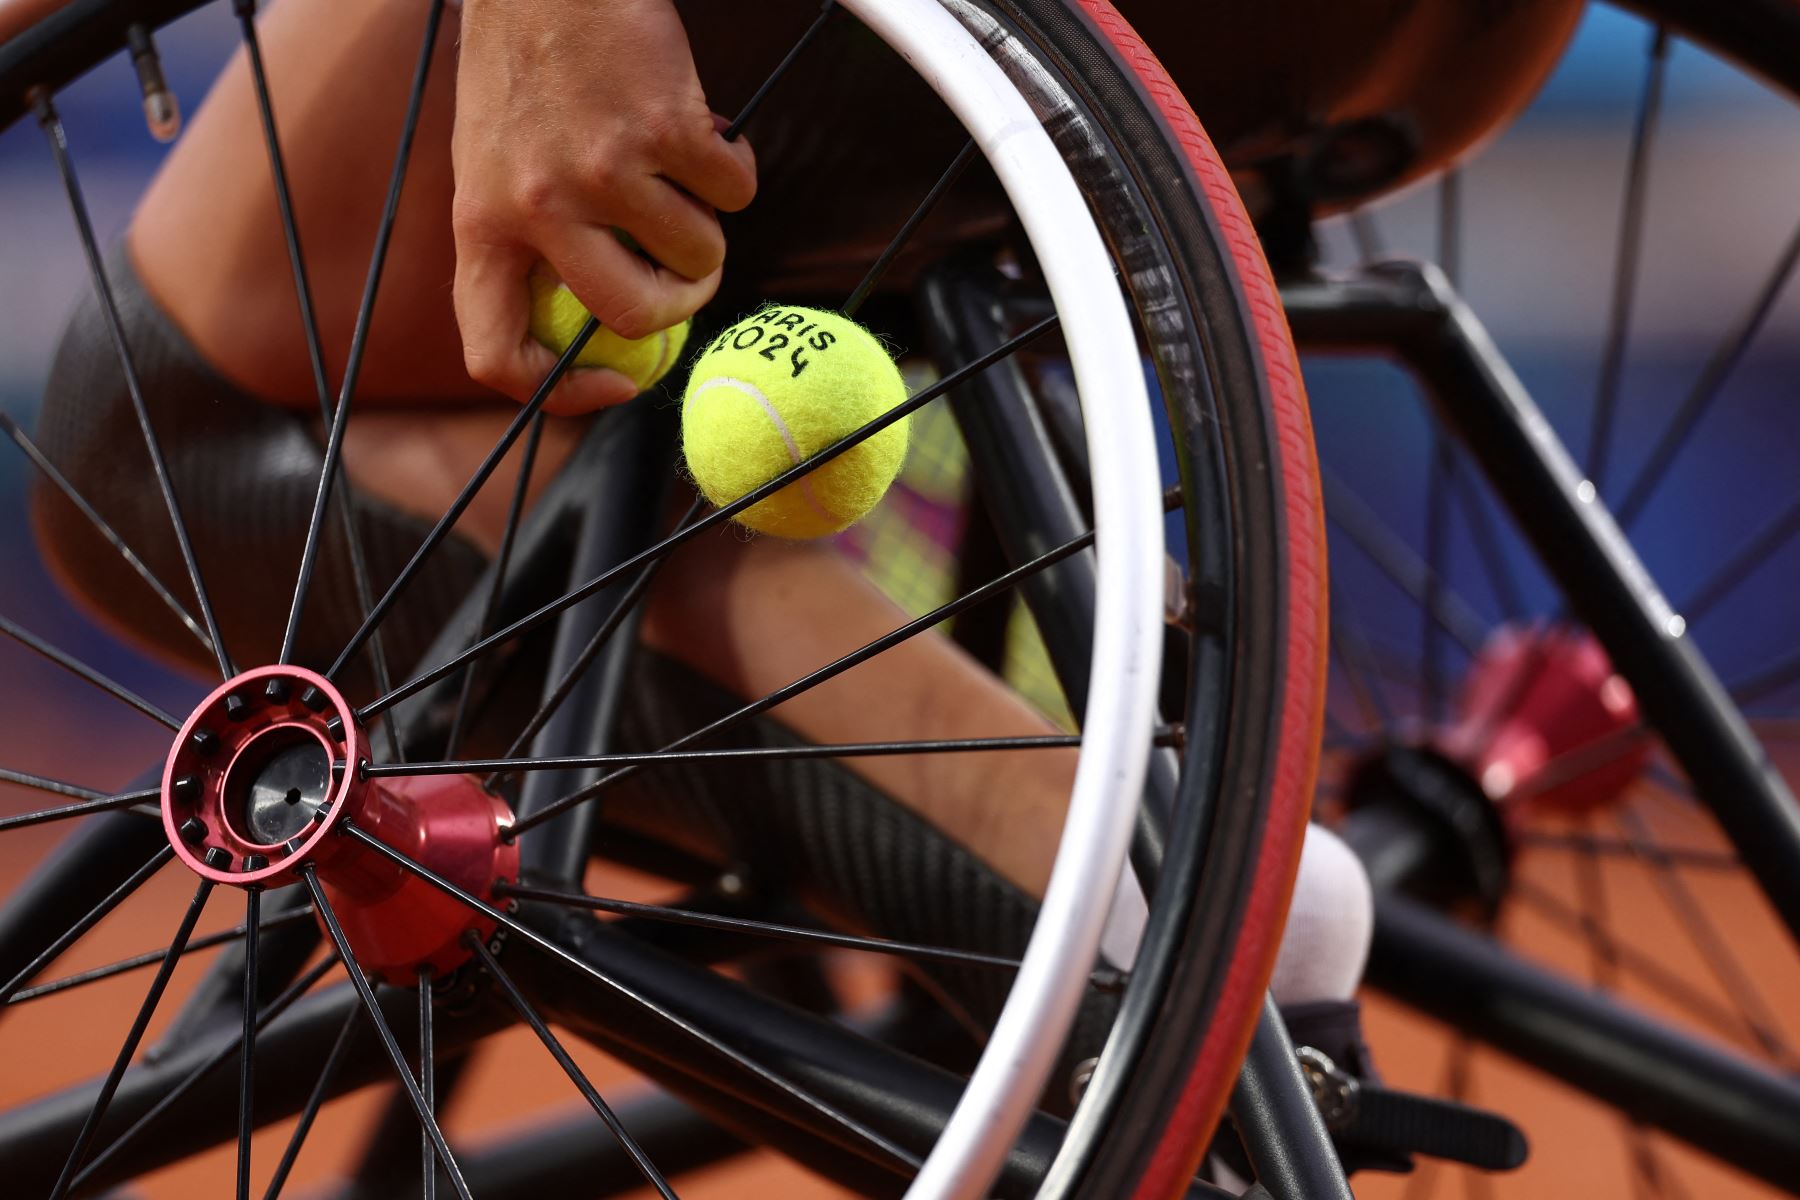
{"type": "Point", "coordinates": [557, 316]}
{"type": "Point", "coordinates": [777, 388]}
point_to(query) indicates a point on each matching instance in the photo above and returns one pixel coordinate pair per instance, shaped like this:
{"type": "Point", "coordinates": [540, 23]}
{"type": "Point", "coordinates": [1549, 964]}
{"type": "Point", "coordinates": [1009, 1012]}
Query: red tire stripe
{"type": "Point", "coordinates": [1210, 1077]}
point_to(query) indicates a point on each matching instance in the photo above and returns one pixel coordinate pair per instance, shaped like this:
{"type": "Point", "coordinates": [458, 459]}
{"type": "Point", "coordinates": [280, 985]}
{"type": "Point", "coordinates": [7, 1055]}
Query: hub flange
{"type": "Point", "coordinates": [1542, 723]}
{"type": "Point", "coordinates": [262, 770]}
{"type": "Point", "coordinates": [1545, 721]}
{"type": "Point", "coordinates": [260, 783]}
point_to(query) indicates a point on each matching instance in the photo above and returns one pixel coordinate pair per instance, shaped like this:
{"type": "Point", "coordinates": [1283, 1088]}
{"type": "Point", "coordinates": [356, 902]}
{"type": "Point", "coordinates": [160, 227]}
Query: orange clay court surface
{"type": "Point", "coordinates": [1579, 1149]}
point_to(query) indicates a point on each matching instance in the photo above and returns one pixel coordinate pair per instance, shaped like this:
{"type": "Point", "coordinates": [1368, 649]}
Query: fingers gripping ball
{"type": "Point", "coordinates": [775, 389]}
{"type": "Point", "coordinates": [557, 316]}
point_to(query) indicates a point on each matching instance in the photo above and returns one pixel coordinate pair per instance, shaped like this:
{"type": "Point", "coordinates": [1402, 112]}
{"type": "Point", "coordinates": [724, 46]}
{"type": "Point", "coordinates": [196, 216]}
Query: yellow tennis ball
{"type": "Point", "coordinates": [778, 387]}
{"type": "Point", "coordinates": [557, 316]}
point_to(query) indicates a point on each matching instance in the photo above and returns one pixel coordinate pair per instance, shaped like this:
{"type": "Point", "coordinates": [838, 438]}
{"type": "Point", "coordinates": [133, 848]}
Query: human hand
{"type": "Point", "coordinates": [576, 119]}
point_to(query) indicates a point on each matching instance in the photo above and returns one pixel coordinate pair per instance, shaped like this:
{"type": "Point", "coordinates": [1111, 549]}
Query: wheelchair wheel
{"type": "Point", "coordinates": [312, 778]}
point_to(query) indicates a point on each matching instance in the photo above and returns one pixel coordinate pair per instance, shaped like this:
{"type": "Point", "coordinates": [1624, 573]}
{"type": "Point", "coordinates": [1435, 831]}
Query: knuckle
{"type": "Point", "coordinates": [536, 195]}
{"type": "Point", "coordinates": [739, 186]}
{"type": "Point", "coordinates": [472, 220]}
{"type": "Point", "coordinates": [632, 319]}
{"type": "Point", "coordinates": [742, 198]}
{"type": "Point", "coordinates": [605, 175]}
{"type": "Point", "coordinates": [712, 253]}
{"type": "Point", "coordinates": [483, 367]}
{"type": "Point", "coordinates": [668, 134]}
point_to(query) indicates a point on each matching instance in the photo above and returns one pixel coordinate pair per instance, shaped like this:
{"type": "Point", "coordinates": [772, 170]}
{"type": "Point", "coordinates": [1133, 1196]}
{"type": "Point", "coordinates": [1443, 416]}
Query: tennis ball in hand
{"type": "Point", "coordinates": [557, 316]}
{"type": "Point", "coordinates": [778, 387]}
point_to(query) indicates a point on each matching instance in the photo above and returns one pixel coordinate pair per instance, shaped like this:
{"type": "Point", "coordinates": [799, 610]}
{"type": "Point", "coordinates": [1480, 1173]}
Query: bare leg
{"type": "Point", "coordinates": [208, 244]}
{"type": "Point", "coordinates": [756, 615]}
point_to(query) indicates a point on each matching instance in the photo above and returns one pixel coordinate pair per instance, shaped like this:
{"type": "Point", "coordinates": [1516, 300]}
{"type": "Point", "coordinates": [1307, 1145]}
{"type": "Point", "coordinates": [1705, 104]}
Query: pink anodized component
{"type": "Point", "coordinates": [259, 784]}
{"type": "Point", "coordinates": [1543, 719]}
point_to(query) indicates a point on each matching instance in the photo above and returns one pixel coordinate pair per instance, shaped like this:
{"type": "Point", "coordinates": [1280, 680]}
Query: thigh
{"type": "Point", "coordinates": [208, 240]}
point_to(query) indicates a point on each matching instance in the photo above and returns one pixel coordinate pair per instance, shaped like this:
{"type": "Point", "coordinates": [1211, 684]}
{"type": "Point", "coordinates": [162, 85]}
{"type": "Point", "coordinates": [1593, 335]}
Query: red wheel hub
{"type": "Point", "coordinates": [260, 783]}
{"type": "Point", "coordinates": [1545, 720]}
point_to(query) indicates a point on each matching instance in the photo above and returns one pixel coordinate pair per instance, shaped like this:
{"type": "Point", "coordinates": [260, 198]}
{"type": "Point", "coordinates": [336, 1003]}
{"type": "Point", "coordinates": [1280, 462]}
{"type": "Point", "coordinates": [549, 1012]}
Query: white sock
{"type": "Point", "coordinates": [1326, 944]}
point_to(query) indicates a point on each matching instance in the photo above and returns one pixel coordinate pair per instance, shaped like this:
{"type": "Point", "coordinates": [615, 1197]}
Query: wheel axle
{"type": "Point", "coordinates": [262, 781]}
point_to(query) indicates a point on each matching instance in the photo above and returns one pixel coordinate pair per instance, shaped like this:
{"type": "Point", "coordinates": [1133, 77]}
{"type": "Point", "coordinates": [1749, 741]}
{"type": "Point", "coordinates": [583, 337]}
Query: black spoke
{"type": "Point", "coordinates": [534, 406]}
{"type": "Point", "coordinates": [451, 515]}
{"type": "Point", "coordinates": [193, 1078]}
{"type": "Point", "coordinates": [284, 202]}
{"type": "Point", "coordinates": [1767, 682]}
{"type": "Point", "coordinates": [85, 673]}
{"type": "Point", "coordinates": [1356, 658]}
{"type": "Point", "coordinates": [49, 471]}
{"type": "Point", "coordinates": [1707, 387]}
{"type": "Point", "coordinates": [523, 1007]}
{"type": "Point", "coordinates": [309, 324]}
{"type": "Point", "coordinates": [951, 174]}
{"type": "Point", "coordinates": [139, 1024]}
{"type": "Point", "coordinates": [1607, 847]}
{"type": "Point", "coordinates": [57, 787]}
{"type": "Point", "coordinates": [1454, 1084]}
{"type": "Point", "coordinates": [428, 1081]}
{"type": "Point", "coordinates": [490, 607]}
{"type": "Point", "coordinates": [1652, 973]}
{"type": "Point", "coordinates": [1604, 967]}
{"type": "Point", "coordinates": [536, 403]}
{"type": "Point", "coordinates": [1449, 216]}
{"type": "Point", "coordinates": [812, 31]}
{"type": "Point", "coordinates": [388, 1043]}
{"type": "Point", "coordinates": [1626, 256]}
{"type": "Point", "coordinates": [1753, 1010]}
{"type": "Point", "coordinates": [99, 804]}
{"type": "Point", "coordinates": [526, 624]}
{"type": "Point", "coordinates": [475, 766]}
{"type": "Point", "coordinates": [595, 644]}
{"type": "Point", "coordinates": [830, 671]}
{"type": "Point", "coordinates": [194, 946]}
{"type": "Point", "coordinates": [1480, 523]}
{"type": "Point", "coordinates": [1105, 980]}
{"type": "Point", "coordinates": [1585, 759]}
{"type": "Point", "coordinates": [1603, 961]}
{"type": "Point", "coordinates": [91, 918]}
{"type": "Point", "coordinates": [247, 1060]}
{"type": "Point", "coordinates": [59, 148]}
{"type": "Point", "coordinates": [1395, 559]}
{"type": "Point", "coordinates": [1647, 1162]}
{"type": "Point", "coordinates": [1437, 533]}
{"type": "Point", "coordinates": [315, 1101]}
{"type": "Point", "coordinates": [1666, 780]}
{"type": "Point", "coordinates": [1339, 736]}
{"type": "Point", "coordinates": [1388, 663]}
{"type": "Point", "coordinates": [1476, 1184]}
{"type": "Point", "coordinates": [842, 1120]}
{"type": "Point", "coordinates": [359, 338]}
{"type": "Point", "coordinates": [1762, 546]}
{"type": "Point", "coordinates": [768, 929]}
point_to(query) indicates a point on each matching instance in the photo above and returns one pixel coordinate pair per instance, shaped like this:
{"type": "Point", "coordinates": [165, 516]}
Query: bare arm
{"type": "Point", "coordinates": [576, 119]}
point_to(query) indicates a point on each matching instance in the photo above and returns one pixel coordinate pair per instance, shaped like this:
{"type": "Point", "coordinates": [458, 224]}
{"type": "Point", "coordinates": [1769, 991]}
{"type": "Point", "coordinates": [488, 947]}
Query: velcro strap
{"type": "Point", "coordinates": [1404, 1123]}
